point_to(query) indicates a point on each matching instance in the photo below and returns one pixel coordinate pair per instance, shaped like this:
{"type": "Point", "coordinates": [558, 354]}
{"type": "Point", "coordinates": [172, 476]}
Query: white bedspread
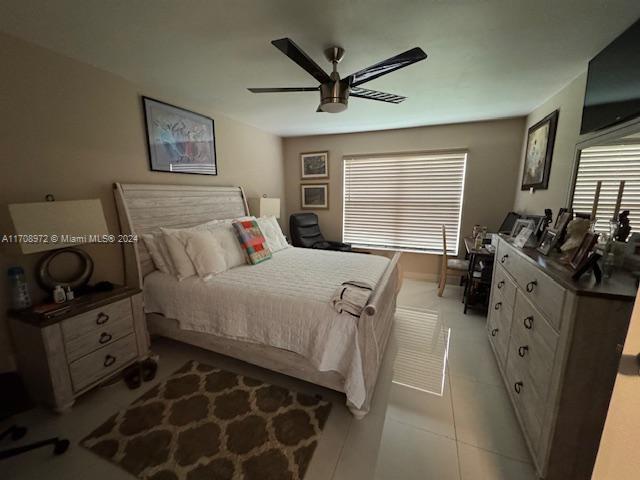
{"type": "Point", "coordinates": [284, 302]}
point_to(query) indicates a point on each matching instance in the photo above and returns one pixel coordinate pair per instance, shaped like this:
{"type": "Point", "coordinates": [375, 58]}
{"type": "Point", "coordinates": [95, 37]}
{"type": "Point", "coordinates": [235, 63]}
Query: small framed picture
{"type": "Point", "coordinates": [314, 196]}
{"type": "Point", "coordinates": [549, 240]}
{"type": "Point", "coordinates": [561, 222]}
{"type": "Point", "coordinates": [522, 224]}
{"type": "Point", "coordinates": [314, 165]}
{"type": "Point", "coordinates": [581, 255]}
{"type": "Point", "coordinates": [524, 236]}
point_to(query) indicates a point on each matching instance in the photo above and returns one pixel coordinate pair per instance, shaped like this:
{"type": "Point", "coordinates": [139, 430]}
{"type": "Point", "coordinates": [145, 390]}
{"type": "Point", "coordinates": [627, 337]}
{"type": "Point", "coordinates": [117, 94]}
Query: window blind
{"type": "Point", "coordinates": [400, 202]}
{"type": "Point", "coordinates": [609, 164]}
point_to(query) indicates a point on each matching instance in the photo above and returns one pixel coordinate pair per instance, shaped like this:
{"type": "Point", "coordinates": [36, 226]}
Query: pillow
{"type": "Point", "coordinates": [252, 240]}
{"type": "Point", "coordinates": [233, 253]}
{"type": "Point", "coordinates": [270, 228]}
{"type": "Point", "coordinates": [175, 240]}
{"type": "Point", "coordinates": [158, 251]}
{"type": "Point", "coordinates": [205, 253]}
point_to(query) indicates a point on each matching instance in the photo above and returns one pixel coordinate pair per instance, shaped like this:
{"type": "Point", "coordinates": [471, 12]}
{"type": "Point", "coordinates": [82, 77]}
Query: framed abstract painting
{"type": "Point", "coordinates": [314, 196]}
{"type": "Point", "coordinates": [537, 161]}
{"type": "Point", "coordinates": [314, 165]}
{"type": "Point", "coordinates": [179, 140]}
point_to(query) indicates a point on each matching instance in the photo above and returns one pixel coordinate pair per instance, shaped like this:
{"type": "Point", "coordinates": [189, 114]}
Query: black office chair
{"type": "Point", "coordinates": [305, 233]}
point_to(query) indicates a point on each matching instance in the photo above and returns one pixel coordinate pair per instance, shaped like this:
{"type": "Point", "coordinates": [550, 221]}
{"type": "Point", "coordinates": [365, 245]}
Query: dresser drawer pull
{"type": "Point", "coordinates": [531, 286]}
{"type": "Point", "coordinates": [109, 360]}
{"type": "Point", "coordinates": [518, 387]}
{"type": "Point", "coordinates": [497, 306]}
{"type": "Point", "coordinates": [102, 318]}
{"type": "Point", "coordinates": [494, 332]}
{"type": "Point", "coordinates": [105, 338]}
{"type": "Point", "coordinates": [504, 258]}
{"type": "Point", "coordinates": [522, 351]}
{"type": "Point", "coordinates": [500, 284]}
{"type": "Point", "coordinates": [528, 323]}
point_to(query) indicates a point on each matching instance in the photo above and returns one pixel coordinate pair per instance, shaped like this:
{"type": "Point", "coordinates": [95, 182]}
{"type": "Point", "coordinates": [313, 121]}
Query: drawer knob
{"type": "Point", "coordinates": [528, 322]}
{"type": "Point", "coordinates": [504, 258]}
{"type": "Point", "coordinates": [500, 284]}
{"type": "Point", "coordinates": [497, 306]}
{"type": "Point", "coordinates": [105, 337]}
{"type": "Point", "coordinates": [531, 286]}
{"type": "Point", "coordinates": [494, 332]}
{"type": "Point", "coordinates": [518, 387]}
{"type": "Point", "coordinates": [102, 318]}
{"type": "Point", "coordinates": [522, 351]}
{"type": "Point", "coordinates": [109, 360]}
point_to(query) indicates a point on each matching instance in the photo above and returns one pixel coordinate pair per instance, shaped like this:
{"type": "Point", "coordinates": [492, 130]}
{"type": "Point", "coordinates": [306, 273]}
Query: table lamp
{"type": "Point", "coordinates": [264, 207]}
{"type": "Point", "coordinates": [57, 227]}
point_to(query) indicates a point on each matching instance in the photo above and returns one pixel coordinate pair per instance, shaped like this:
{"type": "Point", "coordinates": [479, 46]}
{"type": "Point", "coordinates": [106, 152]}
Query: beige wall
{"type": "Point", "coordinates": [569, 100]}
{"type": "Point", "coordinates": [72, 130]}
{"type": "Point", "coordinates": [492, 167]}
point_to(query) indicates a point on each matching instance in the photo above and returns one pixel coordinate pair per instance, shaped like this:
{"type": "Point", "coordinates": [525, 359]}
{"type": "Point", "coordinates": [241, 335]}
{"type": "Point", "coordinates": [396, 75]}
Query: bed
{"type": "Point", "coordinates": [276, 314]}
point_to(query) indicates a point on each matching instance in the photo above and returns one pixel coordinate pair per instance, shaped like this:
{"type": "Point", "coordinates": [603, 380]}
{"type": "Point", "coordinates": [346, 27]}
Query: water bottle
{"type": "Point", "coordinates": [20, 298]}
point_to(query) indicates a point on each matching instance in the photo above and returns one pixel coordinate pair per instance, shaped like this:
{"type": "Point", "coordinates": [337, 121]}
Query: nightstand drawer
{"type": "Point", "coordinates": [95, 339]}
{"type": "Point", "coordinates": [104, 361]}
{"type": "Point", "coordinates": [96, 319]}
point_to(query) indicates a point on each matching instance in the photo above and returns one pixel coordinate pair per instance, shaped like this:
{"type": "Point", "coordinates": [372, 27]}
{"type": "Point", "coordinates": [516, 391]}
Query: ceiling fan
{"type": "Point", "coordinates": [335, 92]}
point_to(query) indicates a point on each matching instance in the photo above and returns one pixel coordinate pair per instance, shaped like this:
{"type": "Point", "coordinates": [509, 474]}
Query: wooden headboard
{"type": "Point", "coordinates": [144, 208]}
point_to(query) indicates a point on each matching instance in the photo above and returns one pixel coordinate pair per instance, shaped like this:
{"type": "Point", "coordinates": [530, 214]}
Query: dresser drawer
{"type": "Point", "coordinates": [96, 320]}
{"type": "Point", "coordinates": [102, 362]}
{"type": "Point", "coordinates": [498, 327]}
{"type": "Point", "coordinates": [504, 287]}
{"type": "Point", "coordinates": [538, 287]}
{"type": "Point", "coordinates": [79, 346]}
{"type": "Point", "coordinates": [526, 401]}
{"type": "Point", "coordinates": [505, 257]}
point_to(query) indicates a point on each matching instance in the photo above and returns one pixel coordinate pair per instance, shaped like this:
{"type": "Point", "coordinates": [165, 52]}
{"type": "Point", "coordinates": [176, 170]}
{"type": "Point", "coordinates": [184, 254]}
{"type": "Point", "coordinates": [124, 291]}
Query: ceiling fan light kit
{"type": "Point", "coordinates": [335, 92]}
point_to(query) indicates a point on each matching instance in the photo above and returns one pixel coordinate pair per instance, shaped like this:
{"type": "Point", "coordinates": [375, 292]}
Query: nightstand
{"type": "Point", "coordinates": [63, 357]}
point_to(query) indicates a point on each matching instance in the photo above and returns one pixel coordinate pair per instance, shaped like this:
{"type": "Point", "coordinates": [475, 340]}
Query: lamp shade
{"type": "Point", "coordinates": [264, 207]}
{"type": "Point", "coordinates": [51, 225]}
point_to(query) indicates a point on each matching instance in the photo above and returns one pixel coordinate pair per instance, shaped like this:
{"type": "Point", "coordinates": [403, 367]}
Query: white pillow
{"type": "Point", "coordinates": [272, 232]}
{"type": "Point", "coordinates": [159, 253]}
{"type": "Point", "coordinates": [175, 241]}
{"type": "Point", "coordinates": [205, 253]}
{"type": "Point", "coordinates": [232, 251]}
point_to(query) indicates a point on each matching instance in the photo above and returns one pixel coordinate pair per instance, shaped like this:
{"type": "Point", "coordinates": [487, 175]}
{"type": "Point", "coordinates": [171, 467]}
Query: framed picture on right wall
{"type": "Point", "coordinates": [537, 161]}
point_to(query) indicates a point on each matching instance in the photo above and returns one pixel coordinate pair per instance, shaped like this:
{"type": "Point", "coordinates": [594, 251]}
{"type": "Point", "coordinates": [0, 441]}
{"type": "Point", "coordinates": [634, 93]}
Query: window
{"type": "Point", "coordinates": [401, 201]}
{"type": "Point", "coordinates": [610, 164]}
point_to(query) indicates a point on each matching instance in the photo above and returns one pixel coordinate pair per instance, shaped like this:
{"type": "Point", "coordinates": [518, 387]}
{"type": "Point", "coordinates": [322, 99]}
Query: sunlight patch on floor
{"type": "Point", "coordinates": [423, 346]}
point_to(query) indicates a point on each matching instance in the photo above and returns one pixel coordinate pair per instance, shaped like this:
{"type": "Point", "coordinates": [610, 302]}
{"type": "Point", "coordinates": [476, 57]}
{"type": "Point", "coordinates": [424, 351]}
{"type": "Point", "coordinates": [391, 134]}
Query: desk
{"type": "Point", "coordinates": [478, 286]}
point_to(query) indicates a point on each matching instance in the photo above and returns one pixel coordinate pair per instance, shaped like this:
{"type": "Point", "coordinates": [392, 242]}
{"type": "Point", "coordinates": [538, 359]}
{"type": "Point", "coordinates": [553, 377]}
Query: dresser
{"type": "Point", "coordinates": [63, 357]}
{"type": "Point", "coordinates": [557, 343]}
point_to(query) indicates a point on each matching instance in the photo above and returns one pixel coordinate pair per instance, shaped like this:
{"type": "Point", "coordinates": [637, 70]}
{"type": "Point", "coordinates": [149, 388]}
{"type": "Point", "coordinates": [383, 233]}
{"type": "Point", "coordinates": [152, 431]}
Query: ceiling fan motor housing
{"type": "Point", "coordinates": [334, 97]}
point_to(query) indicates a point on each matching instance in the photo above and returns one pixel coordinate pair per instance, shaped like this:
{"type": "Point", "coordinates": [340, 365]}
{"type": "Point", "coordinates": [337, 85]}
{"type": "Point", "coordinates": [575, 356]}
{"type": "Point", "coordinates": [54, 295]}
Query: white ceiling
{"type": "Point", "coordinates": [487, 58]}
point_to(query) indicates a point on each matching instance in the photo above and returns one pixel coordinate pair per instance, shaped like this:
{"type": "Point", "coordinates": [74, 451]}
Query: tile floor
{"type": "Point", "coordinates": [467, 433]}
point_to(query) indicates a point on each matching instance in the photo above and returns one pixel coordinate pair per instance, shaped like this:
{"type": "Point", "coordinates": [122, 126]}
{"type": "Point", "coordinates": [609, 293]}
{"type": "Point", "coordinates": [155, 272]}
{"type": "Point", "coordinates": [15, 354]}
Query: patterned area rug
{"type": "Point", "coordinates": [205, 423]}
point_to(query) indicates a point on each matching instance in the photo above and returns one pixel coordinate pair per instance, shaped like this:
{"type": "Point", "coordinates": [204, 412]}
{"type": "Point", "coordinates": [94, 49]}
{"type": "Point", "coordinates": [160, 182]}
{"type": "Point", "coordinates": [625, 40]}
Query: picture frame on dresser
{"type": "Point", "coordinates": [549, 240]}
{"type": "Point", "coordinates": [581, 255]}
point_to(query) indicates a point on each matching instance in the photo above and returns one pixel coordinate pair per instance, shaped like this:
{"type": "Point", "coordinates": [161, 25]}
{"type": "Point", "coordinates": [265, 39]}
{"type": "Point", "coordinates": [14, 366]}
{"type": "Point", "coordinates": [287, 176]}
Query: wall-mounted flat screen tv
{"type": "Point", "coordinates": [613, 83]}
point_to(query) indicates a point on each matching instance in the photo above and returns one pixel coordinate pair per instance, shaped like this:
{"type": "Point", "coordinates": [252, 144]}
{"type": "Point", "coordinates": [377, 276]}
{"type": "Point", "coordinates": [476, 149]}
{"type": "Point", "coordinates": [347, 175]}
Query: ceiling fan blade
{"type": "Point", "coordinates": [375, 95]}
{"type": "Point", "coordinates": [295, 53]}
{"type": "Point", "coordinates": [386, 66]}
{"type": "Point", "coordinates": [286, 89]}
